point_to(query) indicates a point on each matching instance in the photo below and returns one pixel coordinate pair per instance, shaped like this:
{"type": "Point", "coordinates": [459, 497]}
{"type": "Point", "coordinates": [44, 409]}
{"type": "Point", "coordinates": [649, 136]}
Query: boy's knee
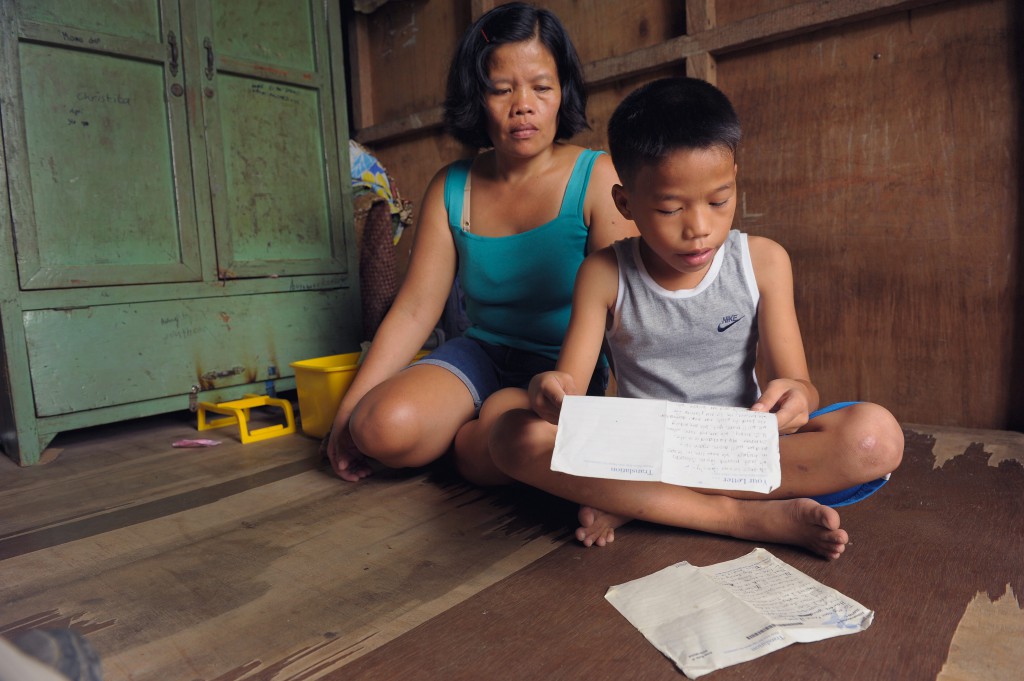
{"type": "Point", "coordinates": [519, 439]}
{"type": "Point", "coordinates": [503, 401]}
{"type": "Point", "coordinates": [479, 470]}
{"type": "Point", "coordinates": [877, 438]}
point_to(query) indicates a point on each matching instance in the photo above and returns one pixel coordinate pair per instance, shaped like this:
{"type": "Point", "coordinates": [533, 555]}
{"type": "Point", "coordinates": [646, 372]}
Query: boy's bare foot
{"type": "Point", "coordinates": [597, 526]}
{"type": "Point", "coordinates": [803, 522]}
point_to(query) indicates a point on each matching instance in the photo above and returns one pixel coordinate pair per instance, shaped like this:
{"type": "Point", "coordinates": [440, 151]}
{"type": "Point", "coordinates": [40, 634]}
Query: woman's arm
{"type": "Point", "coordinates": [419, 302]}
{"type": "Point", "coordinates": [597, 285]}
{"type": "Point", "coordinates": [788, 391]}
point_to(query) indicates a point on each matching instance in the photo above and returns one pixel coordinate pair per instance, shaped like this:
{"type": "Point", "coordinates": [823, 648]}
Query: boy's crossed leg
{"type": "Point", "coordinates": [801, 522]}
{"type": "Point", "coordinates": [834, 451]}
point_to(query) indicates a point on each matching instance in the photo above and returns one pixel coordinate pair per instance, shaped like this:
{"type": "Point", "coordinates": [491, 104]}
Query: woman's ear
{"type": "Point", "coordinates": [621, 198]}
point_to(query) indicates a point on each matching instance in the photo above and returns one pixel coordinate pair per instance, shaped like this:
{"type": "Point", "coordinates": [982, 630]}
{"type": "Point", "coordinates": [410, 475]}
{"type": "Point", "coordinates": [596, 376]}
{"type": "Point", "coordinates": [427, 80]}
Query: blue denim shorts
{"type": "Point", "coordinates": [485, 368]}
{"type": "Point", "coordinates": [852, 495]}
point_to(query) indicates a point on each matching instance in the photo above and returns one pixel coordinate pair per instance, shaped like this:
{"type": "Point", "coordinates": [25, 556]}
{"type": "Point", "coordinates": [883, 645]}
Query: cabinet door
{"type": "Point", "coordinates": [97, 143]}
{"type": "Point", "coordinates": [273, 159]}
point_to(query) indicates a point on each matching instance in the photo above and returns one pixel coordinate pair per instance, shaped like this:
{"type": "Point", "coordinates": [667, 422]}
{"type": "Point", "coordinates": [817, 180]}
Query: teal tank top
{"type": "Point", "coordinates": [518, 288]}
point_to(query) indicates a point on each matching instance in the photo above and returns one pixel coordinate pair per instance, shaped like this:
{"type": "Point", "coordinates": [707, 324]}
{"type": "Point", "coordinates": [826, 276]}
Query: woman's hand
{"type": "Point", "coordinates": [409, 321]}
{"type": "Point", "coordinates": [346, 459]}
{"type": "Point", "coordinates": [546, 393]}
{"type": "Point", "coordinates": [789, 400]}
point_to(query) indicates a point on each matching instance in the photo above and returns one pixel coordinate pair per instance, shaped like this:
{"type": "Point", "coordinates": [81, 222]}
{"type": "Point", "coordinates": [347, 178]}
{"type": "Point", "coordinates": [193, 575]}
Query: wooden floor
{"type": "Point", "coordinates": [251, 562]}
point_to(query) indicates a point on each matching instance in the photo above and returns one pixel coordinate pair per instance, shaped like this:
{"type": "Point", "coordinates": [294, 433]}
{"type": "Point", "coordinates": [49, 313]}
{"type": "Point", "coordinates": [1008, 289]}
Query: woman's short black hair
{"type": "Point", "coordinates": [469, 80]}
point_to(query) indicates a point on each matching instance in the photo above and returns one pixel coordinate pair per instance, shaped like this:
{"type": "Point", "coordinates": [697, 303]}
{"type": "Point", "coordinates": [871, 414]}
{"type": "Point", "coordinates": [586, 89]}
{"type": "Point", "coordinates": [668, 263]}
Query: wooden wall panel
{"type": "Point", "coordinates": [410, 43]}
{"type": "Point", "coordinates": [602, 29]}
{"type": "Point", "coordinates": [882, 155]}
{"type": "Point", "coordinates": [729, 11]}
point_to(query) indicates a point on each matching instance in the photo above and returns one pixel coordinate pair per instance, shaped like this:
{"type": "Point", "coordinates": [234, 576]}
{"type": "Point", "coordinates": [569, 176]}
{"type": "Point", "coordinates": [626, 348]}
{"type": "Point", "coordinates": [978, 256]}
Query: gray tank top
{"type": "Point", "coordinates": [696, 345]}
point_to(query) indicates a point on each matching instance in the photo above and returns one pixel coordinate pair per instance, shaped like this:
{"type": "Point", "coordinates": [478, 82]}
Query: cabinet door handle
{"type": "Point", "coordinates": [208, 45]}
{"type": "Point", "coordinates": [172, 46]}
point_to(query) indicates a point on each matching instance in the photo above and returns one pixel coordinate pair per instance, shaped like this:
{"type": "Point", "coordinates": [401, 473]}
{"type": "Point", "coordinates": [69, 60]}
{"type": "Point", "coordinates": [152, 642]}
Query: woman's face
{"type": "Point", "coordinates": [522, 109]}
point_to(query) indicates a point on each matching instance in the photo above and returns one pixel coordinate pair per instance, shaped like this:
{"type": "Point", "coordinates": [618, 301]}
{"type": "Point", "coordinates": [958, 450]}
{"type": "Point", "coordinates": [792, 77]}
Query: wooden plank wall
{"type": "Point", "coordinates": [882, 148]}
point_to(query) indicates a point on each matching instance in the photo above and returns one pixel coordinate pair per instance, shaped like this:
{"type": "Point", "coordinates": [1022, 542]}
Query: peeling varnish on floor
{"type": "Point", "coordinates": [987, 642]}
{"type": "Point", "coordinates": [1001, 445]}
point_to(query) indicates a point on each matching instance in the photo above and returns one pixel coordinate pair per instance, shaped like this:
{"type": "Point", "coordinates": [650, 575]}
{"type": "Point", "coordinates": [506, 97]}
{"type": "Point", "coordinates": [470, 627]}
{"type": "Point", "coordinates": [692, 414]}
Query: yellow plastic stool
{"type": "Point", "coordinates": [237, 411]}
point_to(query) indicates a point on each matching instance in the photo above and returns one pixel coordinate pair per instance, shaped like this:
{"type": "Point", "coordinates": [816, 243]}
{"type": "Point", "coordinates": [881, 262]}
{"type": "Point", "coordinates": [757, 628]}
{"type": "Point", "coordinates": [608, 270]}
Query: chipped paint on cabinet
{"type": "Point", "coordinates": [174, 206]}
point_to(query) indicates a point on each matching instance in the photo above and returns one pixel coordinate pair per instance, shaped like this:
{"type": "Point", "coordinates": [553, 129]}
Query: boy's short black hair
{"type": "Point", "coordinates": [469, 80]}
{"type": "Point", "coordinates": [668, 115]}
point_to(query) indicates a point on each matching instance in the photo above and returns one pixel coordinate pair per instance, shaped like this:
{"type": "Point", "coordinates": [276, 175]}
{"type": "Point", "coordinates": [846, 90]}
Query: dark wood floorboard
{"type": "Point", "coordinates": [245, 561]}
{"type": "Point", "coordinates": [924, 548]}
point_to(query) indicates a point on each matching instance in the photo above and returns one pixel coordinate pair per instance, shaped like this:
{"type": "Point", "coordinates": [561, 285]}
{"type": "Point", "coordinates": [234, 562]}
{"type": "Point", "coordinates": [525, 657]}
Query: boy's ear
{"type": "Point", "coordinates": [621, 198]}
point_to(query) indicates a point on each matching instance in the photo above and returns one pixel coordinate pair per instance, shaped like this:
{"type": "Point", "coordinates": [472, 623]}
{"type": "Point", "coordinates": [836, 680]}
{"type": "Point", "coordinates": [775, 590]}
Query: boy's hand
{"type": "Point", "coordinates": [788, 400]}
{"type": "Point", "coordinates": [546, 393]}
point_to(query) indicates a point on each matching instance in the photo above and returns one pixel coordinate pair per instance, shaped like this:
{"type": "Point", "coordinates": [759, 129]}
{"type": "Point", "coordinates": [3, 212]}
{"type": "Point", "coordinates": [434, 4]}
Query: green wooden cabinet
{"type": "Point", "coordinates": [174, 204]}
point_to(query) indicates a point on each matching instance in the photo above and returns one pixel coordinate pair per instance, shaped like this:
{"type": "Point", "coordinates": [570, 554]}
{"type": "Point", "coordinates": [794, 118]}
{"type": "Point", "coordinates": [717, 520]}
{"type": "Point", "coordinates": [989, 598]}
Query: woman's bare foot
{"type": "Point", "coordinates": [597, 526]}
{"type": "Point", "coordinates": [802, 522]}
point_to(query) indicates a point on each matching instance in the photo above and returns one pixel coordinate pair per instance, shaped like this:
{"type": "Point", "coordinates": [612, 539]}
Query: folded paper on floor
{"type": "Point", "coordinates": [707, 618]}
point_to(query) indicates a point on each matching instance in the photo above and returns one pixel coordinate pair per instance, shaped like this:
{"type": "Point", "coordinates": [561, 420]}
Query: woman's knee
{"type": "Point", "coordinates": [380, 427]}
{"type": "Point", "coordinates": [401, 431]}
{"type": "Point", "coordinates": [412, 418]}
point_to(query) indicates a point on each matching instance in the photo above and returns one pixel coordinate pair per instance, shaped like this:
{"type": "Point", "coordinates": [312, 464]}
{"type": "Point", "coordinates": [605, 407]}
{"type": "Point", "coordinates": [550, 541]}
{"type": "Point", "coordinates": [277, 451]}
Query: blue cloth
{"type": "Point", "coordinates": [486, 368]}
{"type": "Point", "coordinates": [851, 495]}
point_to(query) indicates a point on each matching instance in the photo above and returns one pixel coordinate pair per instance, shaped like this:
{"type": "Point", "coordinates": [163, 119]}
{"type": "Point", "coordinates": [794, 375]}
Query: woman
{"type": "Point", "coordinates": [515, 222]}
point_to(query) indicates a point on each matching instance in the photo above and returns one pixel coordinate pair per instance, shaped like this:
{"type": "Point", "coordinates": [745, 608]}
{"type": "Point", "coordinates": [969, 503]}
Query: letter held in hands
{"type": "Point", "coordinates": [693, 445]}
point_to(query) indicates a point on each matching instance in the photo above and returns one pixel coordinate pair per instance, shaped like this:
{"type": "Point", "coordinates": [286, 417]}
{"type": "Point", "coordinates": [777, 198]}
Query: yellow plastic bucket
{"type": "Point", "coordinates": [321, 383]}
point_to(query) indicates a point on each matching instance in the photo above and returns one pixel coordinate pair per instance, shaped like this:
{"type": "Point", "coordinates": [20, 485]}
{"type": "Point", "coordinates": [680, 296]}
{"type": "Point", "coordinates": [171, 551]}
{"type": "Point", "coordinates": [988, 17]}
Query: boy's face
{"type": "Point", "coordinates": [683, 207]}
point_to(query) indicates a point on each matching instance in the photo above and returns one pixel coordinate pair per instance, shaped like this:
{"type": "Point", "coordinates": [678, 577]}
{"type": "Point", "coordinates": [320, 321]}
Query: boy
{"type": "Point", "coordinates": [686, 308]}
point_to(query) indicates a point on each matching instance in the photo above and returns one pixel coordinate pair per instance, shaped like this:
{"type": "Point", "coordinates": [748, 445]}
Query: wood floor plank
{"type": "Point", "coordinates": [283, 576]}
{"type": "Point", "coordinates": [124, 465]}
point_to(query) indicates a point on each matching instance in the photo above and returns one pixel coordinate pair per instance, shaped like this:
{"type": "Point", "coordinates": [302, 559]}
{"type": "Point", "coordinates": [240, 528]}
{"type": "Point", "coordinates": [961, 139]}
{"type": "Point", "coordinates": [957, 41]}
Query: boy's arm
{"type": "Point", "coordinates": [788, 391]}
{"type": "Point", "coordinates": [597, 285]}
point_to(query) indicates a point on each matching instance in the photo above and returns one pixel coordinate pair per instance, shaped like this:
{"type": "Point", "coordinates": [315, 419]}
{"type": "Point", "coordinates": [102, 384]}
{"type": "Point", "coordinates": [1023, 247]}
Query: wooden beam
{"type": "Point", "coordinates": [702, 66]}
{"type": "Point", "coordinates": [417, 122]}
{"type": "Point", "coordinates": [780, 24]}
{"type": "Point", "coordinates": [757, 30]}
{"type": "Point", "coordinates": [700, 17]}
